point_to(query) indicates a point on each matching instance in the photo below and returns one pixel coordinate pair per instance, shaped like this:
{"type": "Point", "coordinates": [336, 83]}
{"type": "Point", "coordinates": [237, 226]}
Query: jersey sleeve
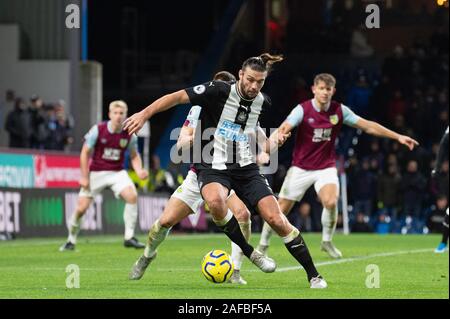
{"type": "Point", "coordinates": [91, 137]}
{"type": "Point", "coordinates": [203, 94]}
{"type": "Point", "coordinates": [350, 118]}
{"type": "Point", "coordinates": [193, 116]}
{"type": "Point", "coordinates": [133, 145]}
{"type": "Point", "coordinates": [296, 117]}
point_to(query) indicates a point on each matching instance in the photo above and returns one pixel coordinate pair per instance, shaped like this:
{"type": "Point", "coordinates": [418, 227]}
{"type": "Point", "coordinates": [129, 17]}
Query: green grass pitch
{"type": "Point", "coordinates": [408, 268]}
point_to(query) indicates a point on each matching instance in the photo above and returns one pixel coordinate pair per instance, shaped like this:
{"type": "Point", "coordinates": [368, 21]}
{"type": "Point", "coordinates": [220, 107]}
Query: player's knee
{"type": "Point", "coordinates": [330, 203]}
{"type": "Point", "coordinates": [132, 199]}
{"type": "Point", "coordinates": [215, 203]}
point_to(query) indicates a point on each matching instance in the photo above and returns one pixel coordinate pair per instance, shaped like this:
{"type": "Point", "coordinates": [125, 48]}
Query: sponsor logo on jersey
{"type": "Point", "coordinates": [334, 119]}
{"type": "Point", "coordinates": [123, 142]}
{"type": "Point", "coordinates": [199, 89]}
{"type": "Point", "coordinates": [111, 154]}
{"type": "Point", "coordinates": [230, 131]}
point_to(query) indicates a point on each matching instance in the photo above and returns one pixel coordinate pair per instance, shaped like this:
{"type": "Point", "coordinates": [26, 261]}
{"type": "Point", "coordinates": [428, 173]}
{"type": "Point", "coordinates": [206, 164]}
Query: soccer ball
{"type": "Point", "coordinates": [217, 266]}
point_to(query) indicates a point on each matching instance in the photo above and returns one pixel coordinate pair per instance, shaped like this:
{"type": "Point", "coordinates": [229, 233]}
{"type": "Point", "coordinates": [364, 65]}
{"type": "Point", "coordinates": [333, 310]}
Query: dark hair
{"type": "Point", "coordinates": [224, 76]}
{"type": "Point", "coordinates": [262, 63]}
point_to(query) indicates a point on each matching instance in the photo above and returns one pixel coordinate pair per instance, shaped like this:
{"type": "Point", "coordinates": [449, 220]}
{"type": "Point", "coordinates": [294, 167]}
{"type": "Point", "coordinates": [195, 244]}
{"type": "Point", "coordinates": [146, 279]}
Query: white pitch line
{"type": "Point", "coordinates": [325, 263]}
{"type": "Point", "coordinates": [348, 260]}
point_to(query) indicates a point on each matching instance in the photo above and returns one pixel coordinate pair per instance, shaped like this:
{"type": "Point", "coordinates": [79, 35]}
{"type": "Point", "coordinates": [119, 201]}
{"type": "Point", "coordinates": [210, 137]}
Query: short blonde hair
{"type": "Point", "coordinates": [327, 78]}
{"type": "Point", "coordinates": [117, 104]}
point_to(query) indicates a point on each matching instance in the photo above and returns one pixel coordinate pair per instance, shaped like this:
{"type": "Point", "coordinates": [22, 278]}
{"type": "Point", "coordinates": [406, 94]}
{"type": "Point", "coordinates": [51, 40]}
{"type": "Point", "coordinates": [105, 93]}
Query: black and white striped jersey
{"type": "Point", "coordinates": [226, 122]}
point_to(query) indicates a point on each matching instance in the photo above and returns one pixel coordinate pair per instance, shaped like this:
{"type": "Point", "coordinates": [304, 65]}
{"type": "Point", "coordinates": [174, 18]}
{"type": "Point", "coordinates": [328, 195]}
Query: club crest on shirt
{"type": "Point", "coordinates": [334, 119]}
{"type": "Point", "coordinates": [242, 116]}
{"type": "Point", "coordinates": [103, 140]}
{"type": "Point", "coordinates": [123, 142]}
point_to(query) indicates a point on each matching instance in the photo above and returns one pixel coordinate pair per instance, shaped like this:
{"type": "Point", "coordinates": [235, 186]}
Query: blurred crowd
{"type": "Point", "coordinates": [34, 124]}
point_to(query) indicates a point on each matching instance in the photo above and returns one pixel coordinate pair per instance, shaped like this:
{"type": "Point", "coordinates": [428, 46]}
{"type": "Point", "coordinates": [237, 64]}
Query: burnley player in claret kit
{"type": "Point", "coordinates": [108, 142]}
{"type": "Point", "coordinates": [319, 122]}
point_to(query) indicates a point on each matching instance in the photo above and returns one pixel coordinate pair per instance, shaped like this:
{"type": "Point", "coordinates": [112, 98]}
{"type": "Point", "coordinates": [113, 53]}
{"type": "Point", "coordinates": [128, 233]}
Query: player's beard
{"type": "Point", "coordinates": [243, 93]}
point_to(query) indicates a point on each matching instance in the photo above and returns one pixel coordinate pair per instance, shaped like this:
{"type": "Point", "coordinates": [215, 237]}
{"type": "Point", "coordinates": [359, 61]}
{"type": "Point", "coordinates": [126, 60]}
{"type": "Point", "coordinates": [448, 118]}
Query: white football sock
{"type": "Point", "coordinates": [291, 236]}
{"type": "Point", "coordinates": [156, 236]}
{"type": "Point", "coordinates": [236, 252]}
{"type": "Point", "coordinates": [130, 215]}
{"type": "Point", "coordinates": [225, 220]}
{"type": "Point", "coordinates": [329, 221]}
{"type": "Point", "coordinates": [74, 227]}
{"type": "Point", "coordinates": [266, 233]}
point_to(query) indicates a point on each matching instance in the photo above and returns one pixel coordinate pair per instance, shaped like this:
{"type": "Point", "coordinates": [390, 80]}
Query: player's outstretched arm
{"type": "Point", "coordinates": [373, 128]}
{"type": "Point", "coordinates": [262, 157]}
{"type": "Point", "coordinates": [279, 137]}
{"type": "Point", "coordinates": [135, 122]}
{"type": "Point", "coordinates": [186, 138]}
{"type": "Point", "coordinates": [84, 166]}
{"type": "Point", "coordinates": [136, 163]}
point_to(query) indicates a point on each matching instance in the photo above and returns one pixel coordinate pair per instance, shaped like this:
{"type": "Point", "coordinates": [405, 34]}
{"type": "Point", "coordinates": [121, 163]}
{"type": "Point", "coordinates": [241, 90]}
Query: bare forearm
{"type": "Point", "coordinates": [279, 136]}
{"type": "Point", "coordinates": [185, 138]}
{"type": "Point", "coordinates": [272, 142]}
{"type": "Point", "coordinates": [165, 103]}
{"type": "Point", "coordinates": [136, 163]}
{"type": "Point", "coordinates": [262, 140]}
{"type": "Point", "coordinates": [378, 130]}
{"type": "Point", "coordinates": [84, 164]}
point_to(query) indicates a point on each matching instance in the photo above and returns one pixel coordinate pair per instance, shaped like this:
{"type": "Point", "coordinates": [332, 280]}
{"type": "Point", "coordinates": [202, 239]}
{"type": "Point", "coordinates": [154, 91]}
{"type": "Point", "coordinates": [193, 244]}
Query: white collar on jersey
{"type": "Point", "coordinates": [317, 108]}
{"type": "Point", "coordinates": [110, 129]}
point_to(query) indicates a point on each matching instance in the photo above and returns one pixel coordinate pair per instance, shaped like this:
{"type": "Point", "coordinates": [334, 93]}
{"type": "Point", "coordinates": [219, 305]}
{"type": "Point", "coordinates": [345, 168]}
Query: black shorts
{"type": "Point", "coordinates": [250, 186]}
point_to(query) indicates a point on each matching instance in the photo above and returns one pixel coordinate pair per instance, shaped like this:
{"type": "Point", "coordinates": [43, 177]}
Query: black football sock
{"type": "Point", "coordinates": [445, 235]}
{"type": "Point", "coordinates": [445, 231]}
{"type": "Point", "coordinates": [299, 250]}
{"type": "Point", "coordinates": [233, 231]}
